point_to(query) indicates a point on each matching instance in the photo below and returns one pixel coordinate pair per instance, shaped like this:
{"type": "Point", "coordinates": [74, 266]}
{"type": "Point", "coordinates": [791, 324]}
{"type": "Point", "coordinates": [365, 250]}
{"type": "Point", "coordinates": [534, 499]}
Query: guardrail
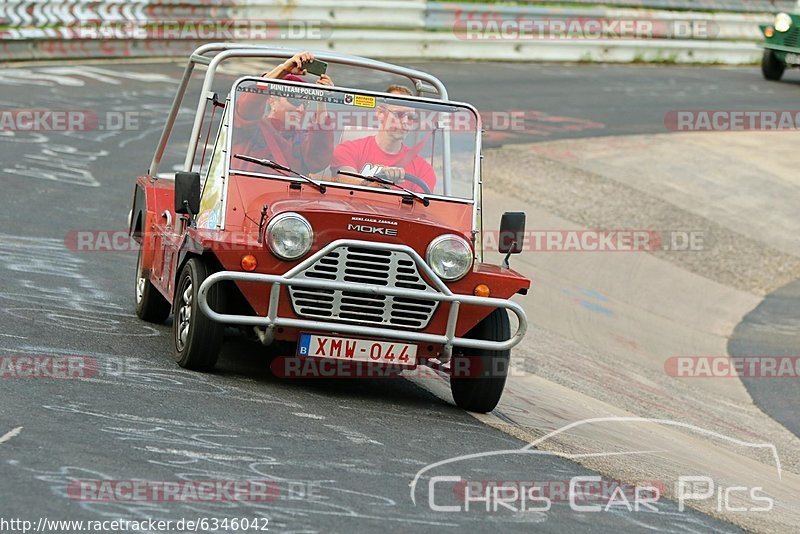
{"type": "Point", "coordinates": [460, 17]}
{"type": "Point", "coordinates": [49, 29]}
{"type": "Point", "coordinates": [73, 19]}
{"type": "Point", "coordinates": [732, 6]}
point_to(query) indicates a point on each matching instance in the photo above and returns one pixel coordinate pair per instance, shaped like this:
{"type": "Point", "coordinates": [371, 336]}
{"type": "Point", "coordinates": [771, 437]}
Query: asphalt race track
{"type": "Point", "coordinates": [772, 328]}
{"type": "Point", "coordinates": [341, 452]}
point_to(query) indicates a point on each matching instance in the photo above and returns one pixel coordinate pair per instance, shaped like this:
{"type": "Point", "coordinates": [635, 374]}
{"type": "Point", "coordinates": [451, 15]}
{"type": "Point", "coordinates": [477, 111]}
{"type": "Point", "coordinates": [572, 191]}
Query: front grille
{"type": "Point", "coordinates": [361, 265]}
{"type": "Point", "coordinates": [792, 36]}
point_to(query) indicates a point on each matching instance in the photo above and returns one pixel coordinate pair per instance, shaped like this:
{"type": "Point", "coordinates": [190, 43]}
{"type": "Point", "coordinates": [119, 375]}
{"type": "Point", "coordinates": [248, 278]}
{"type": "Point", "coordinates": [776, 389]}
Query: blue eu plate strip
{"type": "Point", "coordinates": [304, 344]}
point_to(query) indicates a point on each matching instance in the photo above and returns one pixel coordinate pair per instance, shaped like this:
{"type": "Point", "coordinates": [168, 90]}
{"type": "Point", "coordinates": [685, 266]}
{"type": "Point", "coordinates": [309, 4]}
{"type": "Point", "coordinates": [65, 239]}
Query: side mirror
{"type": "Point", "coordinates": [187, 192]}
{"type": "Point", "coordinates": [512, 232]}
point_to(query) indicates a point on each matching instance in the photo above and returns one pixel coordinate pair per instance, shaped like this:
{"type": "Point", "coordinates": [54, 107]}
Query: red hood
{"type": "Point", "coordinates": [335, 215]}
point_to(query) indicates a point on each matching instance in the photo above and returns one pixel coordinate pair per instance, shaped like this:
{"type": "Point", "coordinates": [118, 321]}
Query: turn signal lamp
{"type": "Point", "coordinates": [481, 290]}
{"type": "Point", "coordinates": [249, 263]}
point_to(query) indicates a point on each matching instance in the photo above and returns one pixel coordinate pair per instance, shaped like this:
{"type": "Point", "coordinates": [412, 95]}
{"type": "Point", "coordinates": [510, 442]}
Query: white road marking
{"type": "Point", "coordinates": [76, 76]}
{"type": "Point", "coordinates": [194, 455]}
{"type": "Point", "coordinates": [11, 434]}
{"type": "Point", "coordinates": [353, 435]}
{"type": "Point", "coordinates": [308, 415]}
{"type": "Point", "coordinates": [12, 335]}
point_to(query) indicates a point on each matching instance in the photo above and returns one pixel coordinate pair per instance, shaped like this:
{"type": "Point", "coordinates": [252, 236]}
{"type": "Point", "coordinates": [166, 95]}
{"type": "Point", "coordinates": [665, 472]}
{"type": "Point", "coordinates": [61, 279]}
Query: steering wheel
{"type": "Point", "coordinates": [416, 180]}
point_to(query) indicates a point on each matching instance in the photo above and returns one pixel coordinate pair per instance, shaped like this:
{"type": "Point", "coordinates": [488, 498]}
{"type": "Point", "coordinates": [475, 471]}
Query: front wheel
{"type": "Point", "coordinates": [478, 377]}
{"type": "Point", "coordinates": [771, 67]}
{"type": "Point", "coordinates": [197, 339]}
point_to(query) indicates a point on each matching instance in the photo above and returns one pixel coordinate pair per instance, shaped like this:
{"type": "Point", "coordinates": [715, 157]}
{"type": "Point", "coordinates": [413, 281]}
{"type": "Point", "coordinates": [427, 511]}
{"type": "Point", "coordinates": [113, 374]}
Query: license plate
{"type": "Point", "coordinates": [360, 350]}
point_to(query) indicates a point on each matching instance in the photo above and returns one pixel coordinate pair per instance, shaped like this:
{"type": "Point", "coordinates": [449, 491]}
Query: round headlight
{"type": "Point", "coordinates": [289, 236]}
{"type": "Point", "coordinates": [449, 256]}
{"type": "Point", "coordinates": [782, 22]}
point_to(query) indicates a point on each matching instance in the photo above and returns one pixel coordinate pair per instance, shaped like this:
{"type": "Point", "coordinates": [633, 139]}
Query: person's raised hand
{"type": "Point", "coordinates": [294, 65]}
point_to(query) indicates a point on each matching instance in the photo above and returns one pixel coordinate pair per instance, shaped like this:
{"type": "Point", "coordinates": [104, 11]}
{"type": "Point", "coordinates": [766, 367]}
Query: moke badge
{"type": "Point", "coordinates": [359, 225]}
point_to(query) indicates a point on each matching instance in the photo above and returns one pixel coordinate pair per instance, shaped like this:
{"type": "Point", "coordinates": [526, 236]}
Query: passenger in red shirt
{"type": "Point", "coordinates": [270, 137]}
{"type": "Point", "coordinates": [385, 153]}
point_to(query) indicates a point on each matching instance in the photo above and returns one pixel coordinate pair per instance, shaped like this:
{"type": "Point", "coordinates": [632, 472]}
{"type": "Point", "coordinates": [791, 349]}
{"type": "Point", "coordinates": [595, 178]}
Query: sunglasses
{"type": "Point", "coordinates": [412, 116]}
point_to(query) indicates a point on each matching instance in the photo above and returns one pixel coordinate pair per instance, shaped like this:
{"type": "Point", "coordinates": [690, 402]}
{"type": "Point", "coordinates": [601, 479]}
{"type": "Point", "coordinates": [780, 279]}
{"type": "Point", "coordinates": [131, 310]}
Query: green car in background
{"type": "Point", "coordinates": [782, 46]}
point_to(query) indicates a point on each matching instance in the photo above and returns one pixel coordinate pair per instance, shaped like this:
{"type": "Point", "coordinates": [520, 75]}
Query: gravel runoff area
{"type": "Point", "coordinates": [602, 381]}
{"type": "Point", "coordinates": [601, 203]}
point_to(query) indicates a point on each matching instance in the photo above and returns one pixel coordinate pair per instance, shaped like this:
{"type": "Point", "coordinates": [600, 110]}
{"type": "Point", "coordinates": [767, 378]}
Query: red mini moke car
{"type": "Point", "coordinates": [284, 220]}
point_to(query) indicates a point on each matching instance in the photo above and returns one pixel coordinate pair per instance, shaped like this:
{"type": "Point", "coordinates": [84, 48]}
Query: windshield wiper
{"type": "Point", "coordinates": [274, 165]}
{"type": "Point", "coordinates": [384, 181]}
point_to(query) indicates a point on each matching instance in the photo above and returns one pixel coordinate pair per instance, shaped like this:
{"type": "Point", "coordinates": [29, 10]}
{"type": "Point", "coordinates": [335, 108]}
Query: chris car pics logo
{"type": "Point", "coordinates": [452, 491]}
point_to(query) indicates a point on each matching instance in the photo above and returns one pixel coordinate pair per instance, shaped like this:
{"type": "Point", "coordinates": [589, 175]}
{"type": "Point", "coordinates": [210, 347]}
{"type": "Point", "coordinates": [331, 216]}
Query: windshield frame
{"type": "Point", "coordinates": [437, 103]}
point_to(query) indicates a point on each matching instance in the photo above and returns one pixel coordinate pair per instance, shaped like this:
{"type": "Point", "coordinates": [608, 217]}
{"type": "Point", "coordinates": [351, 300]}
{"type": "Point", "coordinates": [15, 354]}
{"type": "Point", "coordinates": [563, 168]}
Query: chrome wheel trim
{"type": "Point", "coordinates": [140, 281]}
{"type": "Point", "coordinates": [184, 319]}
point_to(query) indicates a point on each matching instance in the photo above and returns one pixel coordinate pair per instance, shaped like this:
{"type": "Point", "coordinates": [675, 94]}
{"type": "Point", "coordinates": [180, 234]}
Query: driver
{"type": "Point", "coordinates": [385, 153]}
{"type": "Point", "coordinates": [278, 135]}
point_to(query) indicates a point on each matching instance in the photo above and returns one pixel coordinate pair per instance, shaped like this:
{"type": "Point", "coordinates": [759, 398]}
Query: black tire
{"type": "Point", "coordinates": [198, 347]}
{"type": "Point", "coordinates": [479, 376]}
{"type": "Point", "coordinates": [150, 305]}
{"type": "Point", "coordinates": [771, 66]}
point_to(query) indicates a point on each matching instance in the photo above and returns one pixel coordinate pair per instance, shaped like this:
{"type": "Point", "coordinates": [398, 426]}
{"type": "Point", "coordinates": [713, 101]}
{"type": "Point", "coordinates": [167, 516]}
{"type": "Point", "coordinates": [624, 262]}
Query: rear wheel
{"type": "Point", "coordinates": [150, 304]}
{"type": "Point", "coordinates": [479, 376]}
{"type": "Point", "coordinates": [197, 339]}
{"type": "Point", "coordinates": [771, 66]}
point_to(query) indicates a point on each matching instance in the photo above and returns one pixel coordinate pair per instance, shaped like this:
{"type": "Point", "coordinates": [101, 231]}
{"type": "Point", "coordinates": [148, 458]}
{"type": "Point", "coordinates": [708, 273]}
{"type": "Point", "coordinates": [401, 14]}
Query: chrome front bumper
{"type": "Point", "coordinates": [291, 279]}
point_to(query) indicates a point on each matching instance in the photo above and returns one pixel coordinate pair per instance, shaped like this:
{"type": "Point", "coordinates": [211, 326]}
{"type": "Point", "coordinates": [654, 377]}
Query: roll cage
{"type": "Point", "coordinates": [211, 55]}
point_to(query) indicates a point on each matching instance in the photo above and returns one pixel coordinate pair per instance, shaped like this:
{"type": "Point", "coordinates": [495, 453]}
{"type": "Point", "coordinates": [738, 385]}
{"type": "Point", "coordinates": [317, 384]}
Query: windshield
{"type": "Point", "coordinates": [427, 147]}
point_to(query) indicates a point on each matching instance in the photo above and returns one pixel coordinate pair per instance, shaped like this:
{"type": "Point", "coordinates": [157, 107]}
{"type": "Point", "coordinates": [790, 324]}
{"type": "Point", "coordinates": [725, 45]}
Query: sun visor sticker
{"type": "Point", "coordinates": [312, 94]}
{"type": "Point", "coordinates": [290, 91]}
{"type": "Point", "coordinates": [361, 101]}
